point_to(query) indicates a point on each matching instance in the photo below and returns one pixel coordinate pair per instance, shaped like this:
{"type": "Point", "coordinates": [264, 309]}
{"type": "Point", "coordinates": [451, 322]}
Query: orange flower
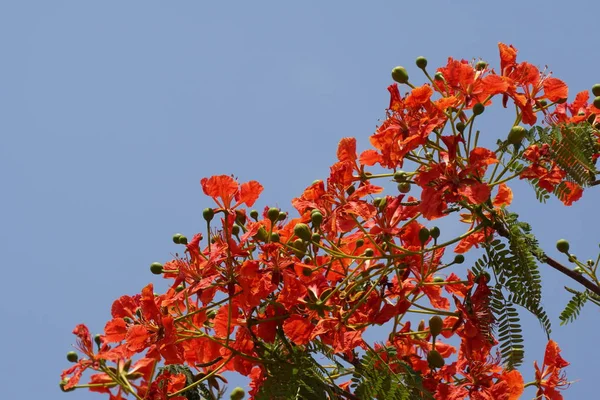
{"type": "Point", "coordinates": [550, 378]}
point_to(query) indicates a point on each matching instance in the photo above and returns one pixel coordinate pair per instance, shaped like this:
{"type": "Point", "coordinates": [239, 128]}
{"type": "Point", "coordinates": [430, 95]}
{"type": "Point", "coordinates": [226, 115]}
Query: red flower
{"type": "Point", "coordinates": [224, 189]}
{"type": "Point", "coordinates": [550, 378]}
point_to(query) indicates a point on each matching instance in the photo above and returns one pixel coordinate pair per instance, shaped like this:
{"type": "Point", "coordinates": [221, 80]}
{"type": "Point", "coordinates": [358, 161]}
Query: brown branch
{"type": "Point", "coordinates": [502, 231]}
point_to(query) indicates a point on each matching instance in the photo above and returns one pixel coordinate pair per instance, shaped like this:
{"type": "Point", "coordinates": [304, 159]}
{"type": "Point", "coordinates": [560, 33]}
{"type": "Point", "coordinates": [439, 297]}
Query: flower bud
{"type": "Point", "coordinates": [176, 238]}
{"type": "Point", "coordinates": [478, 109]}
{"type": "Point", "coordinates": [424, 235]}
{"type": "Point", "coordinates": [273, 214]}
{"type": "Point", "coordinates": [480, 66]}
{"type": "Point", "coordinates": [596, 89]}
{"type": "Point", "coordinates": [72, 357]}
{"type": "Point", "coordinates": [404, 187]}
{"type": "Point", "coordinates": [421, 62]}
{"type": "Point", "coordinates": [316, 218]}
{"type": "Point", "coordinates": [237, 394]}
{"type": "Point", "coordinates": [435, 359]}
{"type": "Point", "coordinates": [400, 176]}
{"type": "Point", "coordinates": [436, 324]}
{"type": "Point", "coordinates": [254, 215]}
{"type": "Point", "coordinates": [400, 75]}
{"type": "Point", "coordinates": [208, 214]}
{"type": "Point", "coordinates": [563, 246]}
{"type": "Point", "coordinates": [303, 232]}
{"type": "Point", "coordinates": [156, 268]}
{"type": "Point", "coordinates": [516, 135]}
{"type": "Point", "coordinates": [435, 232]}
{"type": "Point", "coordinates": [459, 259]}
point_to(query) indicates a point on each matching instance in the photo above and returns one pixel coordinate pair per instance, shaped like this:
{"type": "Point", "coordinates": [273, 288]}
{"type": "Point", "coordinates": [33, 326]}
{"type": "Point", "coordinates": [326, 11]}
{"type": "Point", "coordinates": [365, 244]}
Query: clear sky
{"type": "Point", "coordinates": [112, 111]}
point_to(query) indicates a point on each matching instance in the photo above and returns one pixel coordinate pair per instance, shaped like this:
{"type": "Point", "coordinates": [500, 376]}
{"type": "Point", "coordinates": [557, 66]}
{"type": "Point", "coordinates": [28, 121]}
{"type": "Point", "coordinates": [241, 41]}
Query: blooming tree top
{"type": "Point", "coordinates": [262, 293]}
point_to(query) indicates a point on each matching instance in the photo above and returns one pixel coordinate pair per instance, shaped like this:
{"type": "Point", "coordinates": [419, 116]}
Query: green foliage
{"type": "Point", "coordinates": [374, 378]}
{"type": "Point", "coordinates": [301, 377]}
{"type": "Point", "coordinates": [572, 147]}
{"type": "Point", "coordinates": [509, 331]}
{"type": "Point", "coordinates": [518, 282]}
{"type": "Point", "coordinates": [574, 306]}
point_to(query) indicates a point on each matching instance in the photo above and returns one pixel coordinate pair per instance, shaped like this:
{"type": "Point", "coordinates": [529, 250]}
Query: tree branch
{"type": "Point", "coordinates": [502, 231]}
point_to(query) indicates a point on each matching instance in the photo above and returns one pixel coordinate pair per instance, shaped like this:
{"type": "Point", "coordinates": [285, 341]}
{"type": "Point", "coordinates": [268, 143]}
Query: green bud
{"type": "Point", "coordinates": [400, 176]}
{"type": "Point", "coordinates": [369, 253]}
{"type": "Point", "coordinates": [435, 359]}
{"type": "Point", "coordinates": [254, 215]}
{"type": "Point", "coordinates": [543, 103]}
{"type": "Point", "coordinates": [62, 385]}
{"type": "Point", "coordinates": [562, 101]}
{"type": "Point", "coordinates": [237, 394]}
{"type": "Point", "coordinates": [208, 214]}
{"type": "Point", "coordinates": [240, 217]}
{"type": "Point", "coordinates": [480, 66]}
{"type": "Point", "coordinates": [380, 202]}
{"type": "Point", "coordinates": [316, 218]}
{"type": "Point", "coordinates": [360, 243]}
{"type": "Point", "coordinates": [596, 89]}
{"type": "Point", "coordinates": [156, 268]}
{"type": "Point", "coordinates": [315, 238]}
{"type": "Point", "coordinates": [261, 235]}
{"type": "Point", "coordinates": [478, 109]}
{"type": "Point", "coordinates": [350, 190]}
{"type": "Point", "coordinates": [98, 339]}
{"type": "Point", "coordinates": [436, 324]}
{"type": "Point", "coordinates": [438, 279]}
{"type": "Point", "coordinates": [72, 357]}
{"type": "Point", "coordinates": [435, 232]}
{"type": "Point", "coordinates": [179, 288]}
{"type": "Point", "coordinates": [404, 187]}
{"type": "Point", "coordinates": [459, 259]}
{"type": "Point", "coordinates": [563, 246]}
{"type": "Point", "coordinates": [400, 75]}
{"type": "Point", "coordinates": [516, 135]}
{"type": "Point", "coordinates": [282, 216]}
{"type": "Point", "coordinates": [235, 229]}
{"type": "Point", "coordinates": [579, 270]}
{"type": "Point", "coordinates": [597, 102]}
{"type": "Point", "coordinates": [176, 238]}
{"type": "Point", "coordinates": [273, 214]}
{"type": "Point", "coordinates": [460, 126]}
{"type": "Point", "coordinates": [438, 76]}
{"type": "Point", "coordinates": [424, 235]}
{"type": "Point", "coordinates": [275, 237]}
{"type": "Point", "coordinates": [590, 263]}
{"type": "Point", "coordinates": [421, 62]}
{"type": "Point", "coordinates": [303, 232]}
{"type": "Point", "coordinates": [183, 240]}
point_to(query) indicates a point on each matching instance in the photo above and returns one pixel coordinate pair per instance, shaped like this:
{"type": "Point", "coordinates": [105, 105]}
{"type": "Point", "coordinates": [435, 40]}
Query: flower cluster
{"type": "Point", "coordinates": [258, 292]}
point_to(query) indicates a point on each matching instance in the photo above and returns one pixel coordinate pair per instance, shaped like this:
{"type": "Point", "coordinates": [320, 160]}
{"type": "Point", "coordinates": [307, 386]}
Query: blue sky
{"type": "Point", "coordinates": [111, 113]}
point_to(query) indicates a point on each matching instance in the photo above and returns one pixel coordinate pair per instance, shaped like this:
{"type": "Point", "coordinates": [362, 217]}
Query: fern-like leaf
{"type": "Point", "coordinates": [573, 308]}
